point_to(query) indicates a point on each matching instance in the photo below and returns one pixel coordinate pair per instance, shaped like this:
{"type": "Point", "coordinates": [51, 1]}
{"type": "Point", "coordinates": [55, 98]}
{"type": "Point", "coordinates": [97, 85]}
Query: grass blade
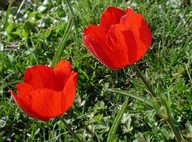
{"type": "Point", "coordinates": [75, 23]}
{"type": "Point", "coordinates": [7, 14]}
{"type": "Point", "coordinates": [19, 9]}
{"type": "Point", "coordinates": [113, 130]}
{"type": "Point", "coordinates": [125, 93]}
{"type": "Point", "coordinates": [62, 43]}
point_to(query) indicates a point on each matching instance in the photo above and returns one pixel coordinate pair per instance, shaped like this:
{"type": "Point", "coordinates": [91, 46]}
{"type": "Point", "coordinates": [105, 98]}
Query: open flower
{"type": "Point", "coordinates": [122, 38]}
{"type": "Point", "coordinates": [45, 92]}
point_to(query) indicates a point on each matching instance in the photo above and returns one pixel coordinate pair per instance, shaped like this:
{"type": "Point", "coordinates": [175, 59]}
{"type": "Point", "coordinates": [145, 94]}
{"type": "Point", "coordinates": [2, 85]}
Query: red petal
{"type": "Point", "coordinates": [110, 16]}
{"type": "Point", "coordinates": [139, 22]}
{"type": "Point", "coordinates": [97, 50]}
{"type": "Point", "coordinates": [47, 103]}
{"type": "Point", "coordinates": [40, 76]}
{"type": "Point", "coordinates": [132, 35]}
{"type": "Point", "coordinates": [141, 33]}
{"type": "Point", "coordinates": [62, 71]}
{"type": "Point", "coordinates": [23, 89]}
{"type": "Point", "coordinates": [129, 10]}
{"type": "Point", "coordinates": [25, 106]}
{"type": "Point", "coordinates": [117, 48]}
{"type": "Point", "coordinates": [97, 33]}
{"type": "Point", "coordinates": [69, 91]}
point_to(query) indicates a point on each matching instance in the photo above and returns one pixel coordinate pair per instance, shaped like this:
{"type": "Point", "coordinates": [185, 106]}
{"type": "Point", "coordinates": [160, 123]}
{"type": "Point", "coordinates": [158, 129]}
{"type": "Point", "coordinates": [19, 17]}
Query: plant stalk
{"type": "Point", "coordinates": [169, 120]}
{"type": "Point", "coordinates": [69, 128]}
{"type": "Point", "coordinates": [172, 126]}
{"type": "Point", "coordinates": [144, 81]}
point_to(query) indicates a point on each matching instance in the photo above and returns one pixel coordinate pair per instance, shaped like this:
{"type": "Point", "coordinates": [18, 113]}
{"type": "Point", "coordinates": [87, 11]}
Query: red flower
{"type": "Point", "coordinates": [121, 39]}
{"type": "Point", "coordinates": [45, 92]}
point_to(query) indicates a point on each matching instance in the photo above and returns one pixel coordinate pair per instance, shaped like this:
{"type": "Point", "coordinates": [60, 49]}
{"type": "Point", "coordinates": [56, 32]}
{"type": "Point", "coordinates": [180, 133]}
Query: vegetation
{"type": "Point", "coordinates": [31, 33]}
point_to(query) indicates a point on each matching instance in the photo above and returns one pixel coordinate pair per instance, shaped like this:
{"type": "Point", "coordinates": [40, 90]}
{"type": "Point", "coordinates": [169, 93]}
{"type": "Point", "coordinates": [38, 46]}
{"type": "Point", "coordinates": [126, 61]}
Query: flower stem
{"type": "Point", "coordinates": [172, 126]}
{"type": "Point", "coordinates": [144, 81]}
{"type": "Point", "coordinates": [169, 120]}
{"type": "Point", "coordinates": [69, 128]}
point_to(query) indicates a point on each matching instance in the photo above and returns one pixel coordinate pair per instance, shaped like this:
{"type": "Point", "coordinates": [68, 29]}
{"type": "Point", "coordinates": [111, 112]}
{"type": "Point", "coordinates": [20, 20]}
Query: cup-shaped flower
{"type": "Point", "coordinates": [45, 92]}
{"type": "Point", "coordinates": [121, 39]}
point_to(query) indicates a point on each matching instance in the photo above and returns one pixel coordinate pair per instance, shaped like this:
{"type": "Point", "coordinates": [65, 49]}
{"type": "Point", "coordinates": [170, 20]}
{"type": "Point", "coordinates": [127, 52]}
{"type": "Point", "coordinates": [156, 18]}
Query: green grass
{"type": "Point", "coordinates": [33, 37]}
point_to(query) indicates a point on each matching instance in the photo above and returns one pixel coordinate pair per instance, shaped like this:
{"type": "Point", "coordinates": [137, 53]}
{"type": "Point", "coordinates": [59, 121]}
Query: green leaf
{"type": "Point", "coordinates": [12, 31]}
{"type": "Point", "coordinates": [29, 26]}
{"type": "Point", "coordinates": [126, 93]}
{"type": "Point", "coordinates": [35, 16]}
{"type": "Point", "coordinates": [157, 108]}
{"type": "Point", "coordinates": [3, 121]}
{"type": "Point", "coordinates": [98, 118]}
{"type": "Point", "coordinates": [62, 43]}
{"type": "Point", "coordinates": [42, 9]}
{"type": "Point", "coordinates": [113, 130]}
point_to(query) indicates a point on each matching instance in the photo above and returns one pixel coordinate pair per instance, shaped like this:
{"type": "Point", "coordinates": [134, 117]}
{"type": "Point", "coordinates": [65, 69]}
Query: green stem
{"type": "Point", "coordinates": [69, 128]}
{"type": "Point", "coordinates": [172, 126]}
{"type": "Point", "coordinates": [144, 81]}
{"type": "Point", "coordinates": [169, 120]}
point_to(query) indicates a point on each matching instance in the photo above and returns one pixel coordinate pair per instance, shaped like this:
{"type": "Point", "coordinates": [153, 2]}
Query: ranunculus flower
{"type": "Point", "coordinates": [122, 38]}
{"type": "Point", "coordinates": [45, 92]}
